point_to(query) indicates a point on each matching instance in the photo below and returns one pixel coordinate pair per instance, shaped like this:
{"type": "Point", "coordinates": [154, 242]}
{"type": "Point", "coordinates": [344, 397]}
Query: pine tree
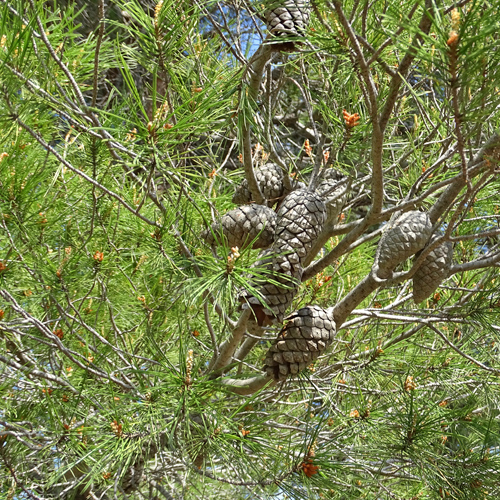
{"type": "Point", "coordinates": [247, 256]}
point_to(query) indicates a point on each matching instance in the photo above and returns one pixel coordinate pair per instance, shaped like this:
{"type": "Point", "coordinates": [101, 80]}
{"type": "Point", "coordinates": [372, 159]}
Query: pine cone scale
{"type": "Point", "coordinates": [288, 17]}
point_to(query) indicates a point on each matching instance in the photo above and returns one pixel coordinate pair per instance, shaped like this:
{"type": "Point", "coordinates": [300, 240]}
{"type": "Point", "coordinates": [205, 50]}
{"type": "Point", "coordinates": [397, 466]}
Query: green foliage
{"type": "Point", "coordinates": [117, 148]}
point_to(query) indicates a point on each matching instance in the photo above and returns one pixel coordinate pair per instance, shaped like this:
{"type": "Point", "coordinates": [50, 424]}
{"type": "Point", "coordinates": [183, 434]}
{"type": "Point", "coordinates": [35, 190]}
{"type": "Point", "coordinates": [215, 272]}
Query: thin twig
{"type": "Point", "coordinates": [466, 356]}
{"type": "Point", "coordinates": [48, 147]}
{"type": "Point", "coordinates": [228, 348]}
{"type": "Point", "coordinates": [97, 50]}
{"type": "Point", "coordinates": [215, 346]}
{"type": "Point", "coordinates": [453, 42]}
{"type": "Point", "coordinates": [56, 58]}
{"type": "Point", "coordinates": [256, 70]}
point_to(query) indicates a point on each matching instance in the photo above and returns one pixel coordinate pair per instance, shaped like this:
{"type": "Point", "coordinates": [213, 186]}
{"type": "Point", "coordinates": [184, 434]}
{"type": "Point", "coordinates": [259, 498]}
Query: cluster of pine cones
{"type": "Point", "coordinates": [286, 236]}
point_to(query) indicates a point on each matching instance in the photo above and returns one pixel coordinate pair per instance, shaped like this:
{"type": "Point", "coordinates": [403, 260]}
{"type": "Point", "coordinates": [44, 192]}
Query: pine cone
{"type": "Point", "coordinates": [279, 296]}
{"type": "Point", "coordinates": [242, 225]}
{"type": "Point", "coordinates": [270, 180]}
{"type": "Point", "coordinates": [306, 335]}
{"type": "Point", "coordinates": [333, 190]}
{"type": "Point", "coordinates": [288, 17]}
{"type": "Point", "coordinates": [432, 272]}
{"type": "Point", "coordinates": [402, 238]}
{"type": "Point", "coordinates": [300, 219]}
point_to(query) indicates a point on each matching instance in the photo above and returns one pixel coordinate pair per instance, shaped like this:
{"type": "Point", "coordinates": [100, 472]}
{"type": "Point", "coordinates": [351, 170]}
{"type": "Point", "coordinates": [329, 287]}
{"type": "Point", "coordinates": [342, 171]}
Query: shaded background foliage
{"type": "Point", "coordinates": [121, 141]}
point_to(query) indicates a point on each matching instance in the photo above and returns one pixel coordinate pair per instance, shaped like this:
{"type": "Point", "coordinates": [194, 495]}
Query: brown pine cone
{"type": "Point", "coordinates": [279, 295]}
{"type": "Point", "coordinates": [300, 220]}
{"type": "Point", "coordinates": [239, 227]}
{"type": "Point", "coordinates": [305, 335]}
{"type": "Point", "coordinates": [402, 238]}
{"type": "Point", "coordinates": [270, 180]}
{"type": "Point", "coordinates": [288, 17]}
{"type": "Point", "coordinates": [432, 272]}
{"type": "Point", "coordinates": [333, 190]}
{"type": "Point", "coordinates": [280, 287]}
